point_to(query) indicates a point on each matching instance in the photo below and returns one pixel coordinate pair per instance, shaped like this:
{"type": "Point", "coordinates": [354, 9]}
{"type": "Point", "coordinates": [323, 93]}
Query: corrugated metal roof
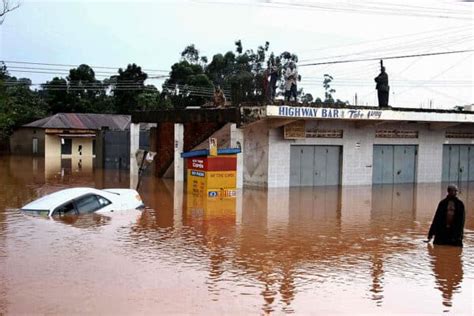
{"type": "Point", "coordinates": [83, 121]}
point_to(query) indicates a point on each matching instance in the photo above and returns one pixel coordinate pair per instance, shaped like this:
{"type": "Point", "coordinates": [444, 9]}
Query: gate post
{"type": "Point", "coordinates": [237, 141]}
{"type": "Point", "coordinates": [178, 149]}
{"type": "Point", "coordinates": [134, 145]}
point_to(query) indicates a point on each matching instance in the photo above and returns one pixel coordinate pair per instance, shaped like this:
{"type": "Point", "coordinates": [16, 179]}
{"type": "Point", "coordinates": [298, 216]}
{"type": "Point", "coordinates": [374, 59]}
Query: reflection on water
{"type": "Point", "coordinates": [300, 250]}
{"type": "Point", "coordinates": [447, 268]}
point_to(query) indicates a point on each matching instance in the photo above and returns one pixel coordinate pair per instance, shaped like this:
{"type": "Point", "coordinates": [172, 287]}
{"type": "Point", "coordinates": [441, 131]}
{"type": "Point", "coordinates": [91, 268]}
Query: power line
{"type": "Point", "coordinates": [386, 58]}
{"type": "Point", "coordinates": [424, 44]}
{"type": "Point", "coordinates": [404, 36]}
{"type": "Point", "coordinates": [361, 9]}
{"type": "Point", "coordinates": [59, 71]}
{"type": "Point", "coordinates": [206, 92]}
{"type": "Point", "coordinates": [64, 73]}
{"type": "Point", "coordinates": [436, 76]}
{"type": "Point", "coordinates": [75, 66]}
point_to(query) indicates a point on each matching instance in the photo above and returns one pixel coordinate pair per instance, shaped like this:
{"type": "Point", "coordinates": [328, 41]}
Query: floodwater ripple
{"type": "Point", "coordinates": [302, 250]}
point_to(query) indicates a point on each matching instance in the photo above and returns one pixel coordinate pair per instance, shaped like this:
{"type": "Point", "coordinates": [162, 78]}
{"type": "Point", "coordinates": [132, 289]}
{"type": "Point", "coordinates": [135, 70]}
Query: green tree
{"type": "Point", "coordinates": [306, 97]}
{"type": "Point", "coordinates": [328, 90]}
{"type": "Point", "coordinates": [243, 72]}
{"type": "Point", "coordinates": [126, 87]}
{"type": "Point", "coordinates": [221, 68]}
{"type": "Point", "coordinates": [151, 99]}
{"type": "Point", "coordinates": [3, 71]}
{"type": "Point", "coordinates": [79, 92]}
{"type": "Point", "coordinates": [190, 54]}
{"type": "Point", "coordinates": [188, 85]}
{"type": "Point", "coordinates": [18, 104]}
{"type": "Point", "coordinates": [247, 78]}
{"type": "Point", "coordinates": [84, 89]}
{"type": "Point", "coordinates": [55, 94]}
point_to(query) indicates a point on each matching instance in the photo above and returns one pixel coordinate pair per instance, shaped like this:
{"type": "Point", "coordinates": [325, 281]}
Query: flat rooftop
{"type": "Point", "coordinates": [248, 114]}
{"type": "Point", "coordinates": [356, 114]}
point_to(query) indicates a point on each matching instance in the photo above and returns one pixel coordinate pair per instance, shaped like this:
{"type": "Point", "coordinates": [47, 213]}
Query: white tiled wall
{"type": "Point", "coordinates": [357, 146]}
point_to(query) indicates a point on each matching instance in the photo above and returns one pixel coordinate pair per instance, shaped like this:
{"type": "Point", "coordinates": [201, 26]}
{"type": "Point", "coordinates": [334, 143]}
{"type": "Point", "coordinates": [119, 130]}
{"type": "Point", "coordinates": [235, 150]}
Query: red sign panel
{"type": "Point", "coordinates": [219, 163]}
{"type": "Point", "coordinates": [197, 163]}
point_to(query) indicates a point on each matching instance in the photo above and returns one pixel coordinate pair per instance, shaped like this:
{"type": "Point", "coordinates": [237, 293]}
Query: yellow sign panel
{"type": "Point", "coordinates": [196, 182]}
{"type": "Point", "coordinates": [221, 179]}
{"type": "Point", "coordinates": [212, 183]}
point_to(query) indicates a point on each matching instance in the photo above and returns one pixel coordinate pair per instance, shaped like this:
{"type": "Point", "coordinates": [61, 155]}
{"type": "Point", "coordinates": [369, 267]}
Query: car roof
{"type": "Point", "coordinates": [55, 199]}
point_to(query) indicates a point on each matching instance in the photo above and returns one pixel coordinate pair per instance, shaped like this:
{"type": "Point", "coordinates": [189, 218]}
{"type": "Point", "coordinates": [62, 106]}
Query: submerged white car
{"type": "Point", "coordinates": [85, 200]}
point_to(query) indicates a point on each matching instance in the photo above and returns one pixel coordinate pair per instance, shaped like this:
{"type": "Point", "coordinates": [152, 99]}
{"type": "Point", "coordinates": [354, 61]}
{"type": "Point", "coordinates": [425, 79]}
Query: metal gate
{"type": "Point", "coordinates": [116, 149]}
{"type": "Point", "coordinates": [315, 165]}
{"type": "Point", "coordinates": [394, 164]}
{"type": "Point", "coordinates": [458, 163]}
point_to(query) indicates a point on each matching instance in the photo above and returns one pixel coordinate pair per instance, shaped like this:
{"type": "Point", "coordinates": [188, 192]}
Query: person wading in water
{"type": "Point", "coordinates": [448, 223]}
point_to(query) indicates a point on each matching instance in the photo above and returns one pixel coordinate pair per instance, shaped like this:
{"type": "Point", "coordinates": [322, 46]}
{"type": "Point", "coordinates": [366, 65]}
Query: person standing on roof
{"type": "Point", "coordinates": [218, 98]}
{"type": "Point", "coordinates": [291, 76]}
{"type": "Point", "coordinates": [273, 73]}
{"type": "Point", "coordinates": [382, 87]}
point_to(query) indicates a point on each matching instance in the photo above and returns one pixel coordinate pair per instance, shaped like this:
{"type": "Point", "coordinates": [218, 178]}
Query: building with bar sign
{"type": "Point", "coordinates": [287, 146]}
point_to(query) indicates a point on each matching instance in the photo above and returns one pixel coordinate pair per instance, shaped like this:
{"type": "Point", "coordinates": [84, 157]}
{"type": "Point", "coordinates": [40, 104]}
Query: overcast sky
{"type": "Point", "coordinates": [153, 33]}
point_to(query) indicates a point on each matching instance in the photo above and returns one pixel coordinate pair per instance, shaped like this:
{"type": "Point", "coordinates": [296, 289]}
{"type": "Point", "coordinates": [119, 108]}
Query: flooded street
{"type": "Point", "coordinates": [333, 250]}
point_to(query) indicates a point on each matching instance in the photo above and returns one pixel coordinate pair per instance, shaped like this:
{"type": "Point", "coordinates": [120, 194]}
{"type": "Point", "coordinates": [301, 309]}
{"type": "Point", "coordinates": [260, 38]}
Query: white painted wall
{"type": "Point", "coordinates": [134, 146]}
{"type": "Point", "coordinates": [266, 154]}
{"type": "Point", "coordinates": [236, 140]}
{"type": "Point", "coordinates": [178, 149]}
{"type": "Point", "coordinates": [52, 146]}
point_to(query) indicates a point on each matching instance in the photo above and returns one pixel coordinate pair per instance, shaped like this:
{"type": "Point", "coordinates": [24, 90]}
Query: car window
{"type": "Point", "coordinates": [64, 209]}
{"type": "Point", "coordinates": [103, 201]}
{"type": "Point", "coordinates": [90, 203]}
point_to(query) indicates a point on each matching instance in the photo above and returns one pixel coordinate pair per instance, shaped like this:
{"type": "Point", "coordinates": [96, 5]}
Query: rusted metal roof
{"type": "Point", "coordinates": [83, 121]}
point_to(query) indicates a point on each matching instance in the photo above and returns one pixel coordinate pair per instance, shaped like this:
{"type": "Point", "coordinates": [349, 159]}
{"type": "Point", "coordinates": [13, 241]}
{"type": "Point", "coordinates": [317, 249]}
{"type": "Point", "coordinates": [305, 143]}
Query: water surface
{"type": "Point", "coordinates": [349, 250]}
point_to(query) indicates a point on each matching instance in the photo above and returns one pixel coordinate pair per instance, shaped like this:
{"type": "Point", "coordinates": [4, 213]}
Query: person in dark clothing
{"type": "Point", "coordinates": [448, 223]}
{"type": "Point", "coordinates": [382, 87]}
{"type": "Point", "coordinates": [273, 82]}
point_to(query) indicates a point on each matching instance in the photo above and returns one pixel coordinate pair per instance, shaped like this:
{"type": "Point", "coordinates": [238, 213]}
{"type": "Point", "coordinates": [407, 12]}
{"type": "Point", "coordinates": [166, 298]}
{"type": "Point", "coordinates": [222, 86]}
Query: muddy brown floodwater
{"type": "Point", "coordinates": [346, 250]}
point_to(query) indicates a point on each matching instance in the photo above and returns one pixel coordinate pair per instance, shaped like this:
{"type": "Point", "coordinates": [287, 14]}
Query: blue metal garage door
{"type": "Point", "coordinates": [315, 165]}
{"type": "Point", "coordinates": [394, 164]}
{"type": "Point", "coordinates": [458, 163]}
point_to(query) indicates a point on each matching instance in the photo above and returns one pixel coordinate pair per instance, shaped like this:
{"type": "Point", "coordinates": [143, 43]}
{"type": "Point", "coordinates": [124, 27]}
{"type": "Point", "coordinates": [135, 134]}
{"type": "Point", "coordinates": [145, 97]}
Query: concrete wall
{"type": "Point", "coordinates": [52, 146]}
{"type": "Point", "coordinates": [267, 153]}
{"type": "Point", "coordinates": [21, 141]}
{"type": "Point", "coordinates": [256, 153]}
{"type": "Point", "coordinates": [236, 139]}
{"type": "Point", "coordinates": [86, 148]}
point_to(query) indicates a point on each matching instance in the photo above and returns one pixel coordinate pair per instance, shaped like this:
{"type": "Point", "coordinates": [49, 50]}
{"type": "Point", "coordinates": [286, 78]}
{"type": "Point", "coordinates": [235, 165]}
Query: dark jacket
{"type": "Point", "coordinates": [382, 82]}
{"type": "Point", "coordinates": [444, 235]}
